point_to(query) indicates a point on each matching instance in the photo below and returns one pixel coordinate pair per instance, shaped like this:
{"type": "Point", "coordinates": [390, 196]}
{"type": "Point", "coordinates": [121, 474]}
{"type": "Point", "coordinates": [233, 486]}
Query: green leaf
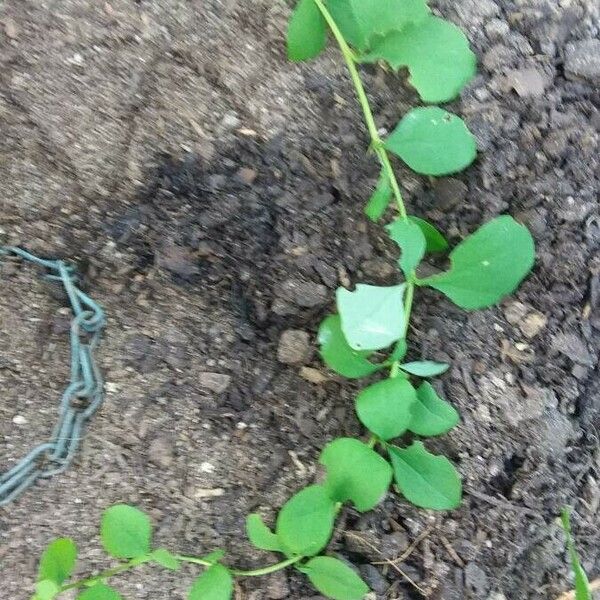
{"type": "Point", "coordinates": [583, 590]}
{"type": "Point", "coordinates": [436, 53]}
{"type": "Point", "coordinates": [425, 368]}
{"type": "Point", "coordinates": [334, 579]}
{"type": "Point", "coordinates": [361, 20]}
{"type": "Point", "coordinates": [410, 238]}
{"type": "Point", "coordinates": [384, 408]}
{"type": "Point", "coordinates": [216, 583]}
{"type": "Point", "coordinates": [487, 265]}
{"type": "Point", "coordinates": [260, 535]}
{"type": "Point", "coordinates": [337, 354]}
{"type": "Point", "coordinates": [125, 532]}
{"type": "Point", "coordinates": [372, 316]}
{"type": "Point", "coordinates": [399, 352]}
{"type": "Point", "coordinates": [307, 32]}
{"type": "Point", "coordinates": [430, 414]}
{"type": "Point", "coordinates": [380, 199]}
{"type": "Point", "coordinates": [46, 589]}
{"type": "Point", "coordinates": [214, 557]}
{"type": "Point", "coordinates": [426, 480]}
{"type": "Point", "coordinates": [435, 241]}
{"type": "Point", "coordinates": [100, 591]}
{"type": "Point", "coordinates": [165, 559]}
{"type": "Point", "coordinates": [58, 561]}
{"type": "Point", "coordinates": [433, 141]}
{"type": "Point", "coordinates": [305, 523]}
{"type": "Point", "coordinates": [355, 472]}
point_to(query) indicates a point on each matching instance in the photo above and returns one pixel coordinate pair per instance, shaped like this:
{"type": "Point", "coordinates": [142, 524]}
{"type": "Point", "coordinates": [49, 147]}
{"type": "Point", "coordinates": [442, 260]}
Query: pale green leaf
{"type": "Point", "coordinates": [58, 561]}
{"type": "Point", "coordinates": [334, 579]}
{"type": "Point", "coordinates": [430, 414]}
{"type": "Point", "coordinates": [305, 523]}
{"type": "Point", "coordinates": [307, 32]}
{"type": "Point", "coordinates": [372, 316]}
{"type": "Point", "coordinates": [380, 199]}
{"type": "Point", "coordinates": [214, 557]}
{"type": "Point", "coordinates": [46, 589]}
{"type": "Point", "coordinates": [487, 265]}
{"type": "Point", "coordinates": [165, 559]}
{"type": "Point", "coordinates": [433, 141]}
{"type": "Point", "coordinates": [409, 237]}
{"type": "Point", "coordinates": [337, 354]}
{"type": "Point", "coordinates": [583, 590]}
{"type": "Point", "coordinates": [426, 480]}
{"type": "Point", "coordinates": [362, 20]}
{"type": "Point", "coordinates": [425, 368]}
{"type": "Point", "coordinates": [435, 241]}
{"type": "Point", "coordinates": [355, 472]}
{"type": "Point", "coordinates": [125, 531]}
{"type": "Point", "coordinates": [99, 591]}
{"type": "Point", "coordinates": [260, 535]}
{"type": "Point", "coordinates": [216, 583]}
{"type": "Point", "coordinates": [384, 408]}
{"type": "Point", "coordinates": [436, 53]}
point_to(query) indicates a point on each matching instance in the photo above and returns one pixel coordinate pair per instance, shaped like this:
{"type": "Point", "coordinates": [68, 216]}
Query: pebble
{"type": "Point", "coordinates": [176, 259]}
{"type": "Point", "coordinates": [277, 586]}
{"type": "Point", "coordinates": [532, 324]}
{"type": "Point", "coordinates": [161, 452]}
{"type": "Point", "coordinates": [19, 420]}
{"type": "Point", "coordinates": [312, 375]}
{"type": "Point", "coordinates": [215, 382]}
{"type": "Point", "coordinates": [306, 294]}
{"type": "Point", "coordinates": [573, 347]}
{"type": "Point", "coordinates": [247, 175]}
{"type": "Point", "coordinates": [294, 347]}
{"type": "Point", "coordinates": [582, 60]}
{"type": "Point", "coordinates": [528, 83]}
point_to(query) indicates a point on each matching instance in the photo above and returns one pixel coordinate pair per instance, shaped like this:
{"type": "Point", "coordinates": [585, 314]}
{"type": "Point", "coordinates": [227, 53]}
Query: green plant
{"type": "Point", "coordinates": [368, 334]}
{"type": "Point", "coordinates": [583, 590]}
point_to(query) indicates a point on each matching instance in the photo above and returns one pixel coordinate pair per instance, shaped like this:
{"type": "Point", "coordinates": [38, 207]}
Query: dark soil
{"type": "Point", "coordinates": [212, 194]}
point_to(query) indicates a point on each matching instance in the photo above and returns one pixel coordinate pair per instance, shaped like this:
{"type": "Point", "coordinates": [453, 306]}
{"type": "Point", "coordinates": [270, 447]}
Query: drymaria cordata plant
{"type": "Point", "coordinates": [367, 337]}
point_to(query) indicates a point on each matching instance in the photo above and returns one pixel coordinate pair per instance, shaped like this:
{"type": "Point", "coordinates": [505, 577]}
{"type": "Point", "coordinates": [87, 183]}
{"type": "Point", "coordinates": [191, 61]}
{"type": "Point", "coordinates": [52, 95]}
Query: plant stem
{"type": "Point", "coordinates": [253, 573]}
{"type": "Point", "coordinates": [376, 140]}
{"type": "Point", "coordinates": [132, 564]}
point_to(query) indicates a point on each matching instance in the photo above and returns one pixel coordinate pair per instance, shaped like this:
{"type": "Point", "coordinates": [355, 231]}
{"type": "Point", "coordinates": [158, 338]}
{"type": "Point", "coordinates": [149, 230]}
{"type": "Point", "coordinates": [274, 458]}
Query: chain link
{"type": "Point", "coordinates": [82, 397]}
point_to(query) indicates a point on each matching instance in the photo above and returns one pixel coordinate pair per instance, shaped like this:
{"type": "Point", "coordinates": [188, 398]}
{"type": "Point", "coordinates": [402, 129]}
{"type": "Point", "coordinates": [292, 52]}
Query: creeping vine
{"type": "Point", "coordinates": [367, 337]}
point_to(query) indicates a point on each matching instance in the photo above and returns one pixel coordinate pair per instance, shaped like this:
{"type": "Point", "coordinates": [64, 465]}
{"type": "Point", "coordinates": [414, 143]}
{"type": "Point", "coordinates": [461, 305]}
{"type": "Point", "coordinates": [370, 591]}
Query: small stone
{"type": "Point", "coordinates": [246, 175]}
{"type": "Point", "coordinates": [374, 579]}
{"type": "Point", "coordinates": [294, 347]}
{"type": "Point", "coordinates": [514, 312]}
{"type": "Point", "coordinates": [10, 29]}
{"type": "Point", "coordinates": [277, 586]}
{"type": "Point", "coordinates": [304, 293]}
{"type": "Point", "coordinates": [215, 382]}
{"type": "Point", "coordinates": [532, 324]}
{"type": "Point", "coordinates": [582, 60]}
{"type": "Point", "coordinates": [161, 452]}
{"type": "Point", "coordinates": [312, 375]}
{"type": "Point", "coordinates": [176, 259]}
{"type": "Point", "coordinates": [208, 492]}
{"type": "Point", "coordinates": [19, 420]}
{"type": "Point", "coordinates": [528, 83]}
{"type": "Point", "coordinates": [573, 347]}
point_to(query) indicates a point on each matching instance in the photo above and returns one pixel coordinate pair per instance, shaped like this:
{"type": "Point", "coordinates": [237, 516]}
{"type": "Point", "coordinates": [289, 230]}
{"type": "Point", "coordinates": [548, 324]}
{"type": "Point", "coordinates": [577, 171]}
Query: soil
{"type": "Point", "coordinates": [212, 195]}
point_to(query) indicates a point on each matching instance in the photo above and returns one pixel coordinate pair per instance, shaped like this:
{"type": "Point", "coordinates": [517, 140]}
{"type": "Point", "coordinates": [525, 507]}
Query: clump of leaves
{"type": "Point", "coordinates": [367, 336]}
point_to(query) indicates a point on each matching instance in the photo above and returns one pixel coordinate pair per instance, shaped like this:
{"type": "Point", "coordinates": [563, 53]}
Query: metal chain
{"type": "Point", "coordinates": [82, 397]}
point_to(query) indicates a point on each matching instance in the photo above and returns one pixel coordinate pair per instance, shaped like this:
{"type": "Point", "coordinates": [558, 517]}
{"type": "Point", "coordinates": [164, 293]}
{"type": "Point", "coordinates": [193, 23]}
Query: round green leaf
{"type": "Point", "coordinates": [435, 241]}
{"type": "Point", "coordinates": [362, 20]}
{"type": "Point", "coordinates": [384, 408]}
{"type": "Point", "coordinates": [487, 265]}
{"type": "Point", "coordinates": [430, 414]}
{"type": "Point", "coordinates": [58, 561]}
{"type": "Point", "coordinates": [355, 472]}
{"type": "Point", "coordinates": [426, 480]}
{"type": "Point", "coordinates": [425, 368]}
{"type": "Point", "coordinates": [46, 589]}
{"type": "Point", "coordinates": [216, 583]}
{"type": "Point", "coordinates": [335, 579]}
{"type": "Point", "coordinates": [99, 591]}
{"type": "Point", "coordinates": [337, 354]}
{"type": "Point", "coordinates": [436, 53]}
{"type": "Point", "coordinates": [372, 316]}
{"type": "Point", "coordinates": [125, 532]}
{"type": "Point", "coordinates": [260, 535]}
{"type": "Point", "coordinates": [412, 243]}
{"type": "Point", "coordinates": [307, 32]}
{"type": "Point", "coordinates": [433, 141]}
{"type": "Point", "coordinates": [305, 522]}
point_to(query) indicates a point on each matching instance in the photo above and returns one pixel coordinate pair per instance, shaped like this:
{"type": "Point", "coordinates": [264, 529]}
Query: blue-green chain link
{"type": "Point", "coordinates": [82, 397]}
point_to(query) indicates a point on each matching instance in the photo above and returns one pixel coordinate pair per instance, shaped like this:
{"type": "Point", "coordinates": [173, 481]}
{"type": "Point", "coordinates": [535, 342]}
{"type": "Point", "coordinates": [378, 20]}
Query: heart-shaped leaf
{"type": "Point", "coordinates": [334, 579]}
{"type": "Point", "coordinates": [307, 32]}
{"type": "Point", "coordinates": [433, 141]}
{"type": "Point", "coordinates": [430, 414]}
{"type": "Point", "coordinates": [260, 535]}
{"type": "Point", "coordinates": [125, 531]}
{"type": "Point", "coordinates": [384, 408]}
{"type": "Point", "coordinates": [355, 472]}
{"type": "Point", "coordinates": [372, 316]}
{"type": "Point", "coordinates": [305, 523]}
{"type": "Point", "coordinates": [426, 480]}
{"type": "Point", "coordinates": [337, 354]}
{"type": "Point", "coordinates": [487, 265]}
{"type": "Point", "coordinates": [436, 53]}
